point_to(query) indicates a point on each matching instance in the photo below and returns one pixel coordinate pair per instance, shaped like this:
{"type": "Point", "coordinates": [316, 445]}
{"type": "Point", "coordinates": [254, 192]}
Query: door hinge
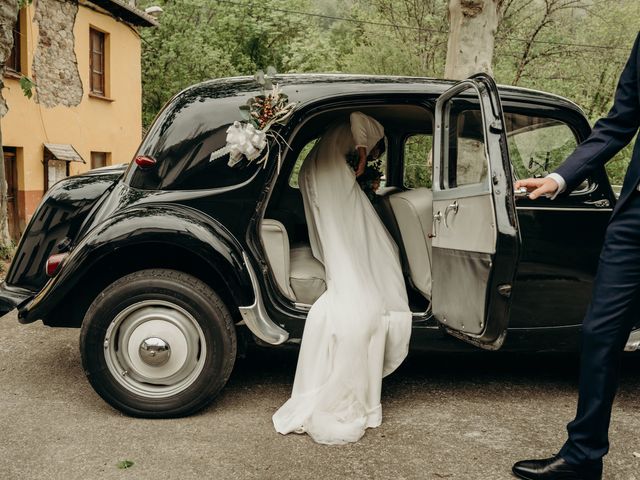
{"type": "Point", "coordinates": [505, 290]}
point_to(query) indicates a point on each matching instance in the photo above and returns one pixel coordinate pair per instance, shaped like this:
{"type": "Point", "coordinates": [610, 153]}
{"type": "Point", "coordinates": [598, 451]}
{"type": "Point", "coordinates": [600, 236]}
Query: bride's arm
{"type": "Point", "coordinates": [362, 153]}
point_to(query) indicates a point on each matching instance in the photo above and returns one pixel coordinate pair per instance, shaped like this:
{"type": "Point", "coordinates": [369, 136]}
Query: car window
{"type": "Point", "coordinates": [293, 178]}
{"type": "Point", "coordinates": [465, 157]}
{"type": "Point", "coordinates": [538, 145]}
{"type": "Point", "coordinates": [418, 161]}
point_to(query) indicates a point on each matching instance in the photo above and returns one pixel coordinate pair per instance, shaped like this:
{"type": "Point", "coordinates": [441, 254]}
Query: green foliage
{"type": "Point", "coordinates": [7, 252]}
{"type": "Point", "coordinates": [124, 464]}
{"type": "Point", "coordinates": [417, 161]}
{"type": "Point", "coordinates": [293, 179]}
{"type": "Point", "coordinates": [27, 85]}
{"type": "Point", "coordinates": [198, 40]}
{"type": "Point", "coordinates": [575, 48]}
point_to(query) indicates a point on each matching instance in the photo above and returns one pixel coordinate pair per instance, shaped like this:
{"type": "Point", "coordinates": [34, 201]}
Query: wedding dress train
{"type": "Point", "coordinates": [358, 330]}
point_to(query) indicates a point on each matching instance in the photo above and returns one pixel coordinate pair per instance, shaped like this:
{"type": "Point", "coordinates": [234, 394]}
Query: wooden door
{"type": "Point", "coordinates": [11, 174]}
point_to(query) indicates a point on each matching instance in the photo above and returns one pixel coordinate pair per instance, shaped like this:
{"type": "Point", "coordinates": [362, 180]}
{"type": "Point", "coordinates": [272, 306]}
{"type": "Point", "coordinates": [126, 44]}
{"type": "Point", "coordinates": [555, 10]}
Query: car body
{"type": "Point", "coordinates": [167, 261]}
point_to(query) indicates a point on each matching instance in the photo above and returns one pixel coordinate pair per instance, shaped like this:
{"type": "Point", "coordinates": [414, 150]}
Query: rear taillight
{"type": "Point", "coordinates": [54, 262]}
{"type": "Point", "coordinates": [145, 162]}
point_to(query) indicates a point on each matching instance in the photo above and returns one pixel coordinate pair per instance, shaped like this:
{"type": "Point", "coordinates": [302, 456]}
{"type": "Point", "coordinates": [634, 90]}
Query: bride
{"type": "Point", "coordinates": [358, 331]}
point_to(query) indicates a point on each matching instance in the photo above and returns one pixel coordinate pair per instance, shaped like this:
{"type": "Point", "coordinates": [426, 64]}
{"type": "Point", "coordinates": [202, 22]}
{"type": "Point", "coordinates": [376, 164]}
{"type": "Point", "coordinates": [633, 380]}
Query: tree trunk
{"type": "Point", "coordinates": [472, 30]}
{"type": "Point", "coordinates": [8, 17]}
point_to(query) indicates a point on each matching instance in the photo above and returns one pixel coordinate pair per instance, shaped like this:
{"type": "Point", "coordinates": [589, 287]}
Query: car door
{"type": "Point", "coordinates": [476, 235]}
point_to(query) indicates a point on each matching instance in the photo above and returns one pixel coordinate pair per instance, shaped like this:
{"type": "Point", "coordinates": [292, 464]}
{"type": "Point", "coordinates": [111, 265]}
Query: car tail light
{"type": "Point", "coordinates": [145, 162]}
{"type": "Point", "coordinates": [54, 262]}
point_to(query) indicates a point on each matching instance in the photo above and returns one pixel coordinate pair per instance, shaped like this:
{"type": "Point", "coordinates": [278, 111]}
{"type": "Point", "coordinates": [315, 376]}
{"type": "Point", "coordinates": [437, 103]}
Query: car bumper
{"type": "Point", "coordinates": [12, 297]}
{"type": "Point", "coordinates": [633, 344]}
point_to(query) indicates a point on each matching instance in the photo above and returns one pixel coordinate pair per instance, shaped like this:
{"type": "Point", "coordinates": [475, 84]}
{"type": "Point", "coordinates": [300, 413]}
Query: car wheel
{"type": "Point", "coordinates": [157, 344]}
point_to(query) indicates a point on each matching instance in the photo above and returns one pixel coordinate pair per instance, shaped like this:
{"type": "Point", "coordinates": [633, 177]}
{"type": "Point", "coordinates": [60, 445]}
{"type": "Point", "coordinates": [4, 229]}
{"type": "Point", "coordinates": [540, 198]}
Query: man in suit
{"type": "Point", "coordinates": [614, 307]}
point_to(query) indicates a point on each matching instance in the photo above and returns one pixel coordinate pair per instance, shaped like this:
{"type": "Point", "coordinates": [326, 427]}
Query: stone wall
{"type": "Point", "coordinates": [8, 14]}
{"type": "Point", "coordinates": [55, 65]}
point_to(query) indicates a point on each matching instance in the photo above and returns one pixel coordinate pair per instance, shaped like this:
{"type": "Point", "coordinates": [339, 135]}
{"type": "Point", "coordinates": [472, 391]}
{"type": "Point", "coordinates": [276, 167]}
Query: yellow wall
{"type": "Point", "coordinates": [94, 125]}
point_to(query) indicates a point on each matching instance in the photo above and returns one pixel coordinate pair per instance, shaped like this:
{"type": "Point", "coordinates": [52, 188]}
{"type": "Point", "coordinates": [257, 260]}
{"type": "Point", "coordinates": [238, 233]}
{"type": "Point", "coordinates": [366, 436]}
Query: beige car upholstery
{"type": "Point", "coordinates": [298, 273]}
{"type": "Point", "coordinates": [276, 245]}
{"type": "Point", "coordinates": [307, 275]}
{"type": "Point", "coordinates": [413, 211]}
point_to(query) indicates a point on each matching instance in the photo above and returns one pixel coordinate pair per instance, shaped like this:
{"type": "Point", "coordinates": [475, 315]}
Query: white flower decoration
{"type": "Point", "coordinates": [244, 139]}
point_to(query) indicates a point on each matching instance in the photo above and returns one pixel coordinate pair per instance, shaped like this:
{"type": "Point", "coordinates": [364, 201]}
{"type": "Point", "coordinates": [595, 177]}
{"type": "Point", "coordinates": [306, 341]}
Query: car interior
{"type": "Point", "coordinates": [404, 204]}
{"type": "Point", "coordinates": [537, 146]}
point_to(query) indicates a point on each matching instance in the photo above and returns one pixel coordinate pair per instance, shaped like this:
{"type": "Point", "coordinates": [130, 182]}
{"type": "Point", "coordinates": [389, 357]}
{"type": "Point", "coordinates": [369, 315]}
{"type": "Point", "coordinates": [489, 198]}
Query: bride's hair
{"type": "Point", "coordinates": [381, 147]}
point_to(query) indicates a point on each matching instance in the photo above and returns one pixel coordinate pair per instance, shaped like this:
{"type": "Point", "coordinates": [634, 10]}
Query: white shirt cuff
{"type": "Point", "coordinates": [562, 185]}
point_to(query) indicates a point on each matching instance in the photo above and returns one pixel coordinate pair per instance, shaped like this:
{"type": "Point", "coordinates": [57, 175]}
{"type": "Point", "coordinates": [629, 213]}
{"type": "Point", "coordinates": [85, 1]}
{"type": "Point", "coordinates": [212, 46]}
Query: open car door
{"type": "Point", "coordinates": [477, 239]}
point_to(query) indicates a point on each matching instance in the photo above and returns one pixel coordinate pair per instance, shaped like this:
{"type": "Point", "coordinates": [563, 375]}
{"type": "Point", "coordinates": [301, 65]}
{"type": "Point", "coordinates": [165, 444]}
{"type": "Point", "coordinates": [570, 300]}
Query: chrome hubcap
{"type": "Point", "coordinates": [155, 348]}
{"type": "Point", "coordinates": [154, 351]}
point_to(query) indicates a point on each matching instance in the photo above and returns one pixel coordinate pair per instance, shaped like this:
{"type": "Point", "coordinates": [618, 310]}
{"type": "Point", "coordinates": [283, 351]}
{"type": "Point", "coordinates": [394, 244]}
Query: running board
{"type": "Point", "coordinates": [255, 316]}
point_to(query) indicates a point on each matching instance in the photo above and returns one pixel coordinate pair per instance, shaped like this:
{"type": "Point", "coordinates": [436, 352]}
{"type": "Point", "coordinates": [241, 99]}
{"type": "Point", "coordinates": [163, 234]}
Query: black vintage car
{"type": "Point", "coordinates": [168, 264]}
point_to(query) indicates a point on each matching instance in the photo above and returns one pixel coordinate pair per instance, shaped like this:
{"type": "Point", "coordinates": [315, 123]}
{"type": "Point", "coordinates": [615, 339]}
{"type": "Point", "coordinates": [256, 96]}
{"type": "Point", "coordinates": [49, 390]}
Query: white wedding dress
{"type": "Point", "coordinates": [358, 331]}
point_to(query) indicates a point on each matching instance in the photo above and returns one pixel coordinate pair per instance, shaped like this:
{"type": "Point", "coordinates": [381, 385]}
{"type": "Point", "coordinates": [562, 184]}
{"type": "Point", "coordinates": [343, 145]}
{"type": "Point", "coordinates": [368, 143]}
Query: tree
{"type": "Point", "coordinates": [399, 37]}
{"type": "Point", "coordinates": [199, 40]}
{"type": "Point", "coordinates": [8, 17]}
{"type": "Point", "coordinates": [472, 30]}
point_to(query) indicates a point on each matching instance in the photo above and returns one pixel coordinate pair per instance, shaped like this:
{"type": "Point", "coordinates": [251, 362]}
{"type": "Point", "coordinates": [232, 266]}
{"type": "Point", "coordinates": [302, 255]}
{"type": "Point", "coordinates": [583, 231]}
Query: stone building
{"type": "Point", "coordinates": [84, 57]}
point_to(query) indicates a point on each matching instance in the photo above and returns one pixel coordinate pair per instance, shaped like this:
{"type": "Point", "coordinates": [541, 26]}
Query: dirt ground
{"type": "Point", "coordinates": [445, 417]}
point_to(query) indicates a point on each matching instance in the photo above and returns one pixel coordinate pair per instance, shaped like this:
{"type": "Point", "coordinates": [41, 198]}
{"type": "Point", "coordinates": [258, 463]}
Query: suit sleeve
{"type": "Point", "coordinates": [611, 133]}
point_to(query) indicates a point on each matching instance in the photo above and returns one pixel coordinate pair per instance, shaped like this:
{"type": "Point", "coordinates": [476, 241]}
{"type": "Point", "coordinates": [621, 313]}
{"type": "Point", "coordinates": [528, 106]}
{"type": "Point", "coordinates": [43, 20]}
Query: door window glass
{"type": "Point", "coordinates": [537, 145]}
{"type": "Point", "coordinates": [418, 161]}
{"type": "Point", "coordinates": [465, 160]}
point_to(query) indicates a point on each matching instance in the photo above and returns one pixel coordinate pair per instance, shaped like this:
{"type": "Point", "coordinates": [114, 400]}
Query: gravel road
{"type": "Point", "coordinates": [445, 417]}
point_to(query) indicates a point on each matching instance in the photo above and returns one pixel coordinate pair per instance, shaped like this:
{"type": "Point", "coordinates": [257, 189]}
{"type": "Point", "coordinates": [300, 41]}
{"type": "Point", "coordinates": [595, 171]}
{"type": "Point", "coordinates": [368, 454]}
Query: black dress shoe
{"type": "Point", "coordinates": [556, 468]}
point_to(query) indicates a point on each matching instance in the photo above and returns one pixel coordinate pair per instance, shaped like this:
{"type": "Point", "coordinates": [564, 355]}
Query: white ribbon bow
{"type": "Point", "coordinates": [242, 139]}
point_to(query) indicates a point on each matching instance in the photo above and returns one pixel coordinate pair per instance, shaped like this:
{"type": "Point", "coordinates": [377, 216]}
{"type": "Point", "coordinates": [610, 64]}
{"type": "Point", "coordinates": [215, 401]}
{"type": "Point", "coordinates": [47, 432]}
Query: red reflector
{"type": "Point", "coordinates": [54, 262]}
{"type": "Point", "coordinates": [145, 162]}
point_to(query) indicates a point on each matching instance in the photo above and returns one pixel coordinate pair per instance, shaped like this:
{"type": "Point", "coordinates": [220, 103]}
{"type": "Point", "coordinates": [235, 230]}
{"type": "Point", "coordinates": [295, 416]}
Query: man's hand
{"type": "Point", "coordinates": [538, 186]}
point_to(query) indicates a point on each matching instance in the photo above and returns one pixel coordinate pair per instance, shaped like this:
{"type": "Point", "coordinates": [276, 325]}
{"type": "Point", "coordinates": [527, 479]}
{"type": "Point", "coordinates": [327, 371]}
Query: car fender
{"type": "Point", "coordinates": [170, 224]}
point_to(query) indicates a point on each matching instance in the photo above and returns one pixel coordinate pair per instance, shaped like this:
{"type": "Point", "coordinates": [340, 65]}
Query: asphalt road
{"type": "Point", "coordinates": [445, 417]}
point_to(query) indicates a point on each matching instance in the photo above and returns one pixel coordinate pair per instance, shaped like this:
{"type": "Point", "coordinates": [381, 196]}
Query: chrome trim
{"type": "Point", "coordinates": [302, 306]}
{"type": "Point", "coordinates": [454, 207]}
{"type": "Point", "coordinates": [255, 316]}
{"type": "Point", "coordinates": [154, 351]}
{"type": "Point", "coordinates": [602, 203]}
{"type": "Point", "coordinates": [565, 209]}
{"type": "Point", "coordinates": [633, 343]}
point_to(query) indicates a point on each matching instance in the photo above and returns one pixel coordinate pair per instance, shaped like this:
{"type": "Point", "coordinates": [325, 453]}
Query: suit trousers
{"type": "Point", "coordinates": [612, 313]}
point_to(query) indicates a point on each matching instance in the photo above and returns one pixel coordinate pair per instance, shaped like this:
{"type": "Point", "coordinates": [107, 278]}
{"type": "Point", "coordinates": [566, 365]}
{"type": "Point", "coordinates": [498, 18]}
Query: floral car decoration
{"type": "Point", "coordinates": [250, 139]}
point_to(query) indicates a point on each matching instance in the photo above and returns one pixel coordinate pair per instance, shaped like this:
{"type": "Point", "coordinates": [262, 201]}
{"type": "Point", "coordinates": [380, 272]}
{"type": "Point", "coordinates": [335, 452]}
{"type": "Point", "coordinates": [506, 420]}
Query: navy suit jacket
{"type": "Point", "coordinates": [611, 134]}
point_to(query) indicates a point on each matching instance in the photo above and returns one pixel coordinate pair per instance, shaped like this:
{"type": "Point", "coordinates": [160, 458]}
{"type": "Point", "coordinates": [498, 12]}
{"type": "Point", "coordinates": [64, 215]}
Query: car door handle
{"type": "Point", "coordinates": [437, 218]}
{"type": "Point", "coordinates": [451, 208]}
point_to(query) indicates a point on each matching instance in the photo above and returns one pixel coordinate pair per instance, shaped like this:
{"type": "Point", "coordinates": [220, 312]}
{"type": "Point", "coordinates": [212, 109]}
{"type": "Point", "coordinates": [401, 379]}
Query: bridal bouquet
{"type": "Point", "coordinates": [369, 181]}
{"type": "Point", "coordinates": [250, 138]}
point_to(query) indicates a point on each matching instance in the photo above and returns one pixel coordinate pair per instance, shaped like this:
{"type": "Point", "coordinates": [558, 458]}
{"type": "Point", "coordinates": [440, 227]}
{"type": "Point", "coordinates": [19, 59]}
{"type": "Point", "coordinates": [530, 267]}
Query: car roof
{"type": "Point", "coordinates": [315, 86]}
